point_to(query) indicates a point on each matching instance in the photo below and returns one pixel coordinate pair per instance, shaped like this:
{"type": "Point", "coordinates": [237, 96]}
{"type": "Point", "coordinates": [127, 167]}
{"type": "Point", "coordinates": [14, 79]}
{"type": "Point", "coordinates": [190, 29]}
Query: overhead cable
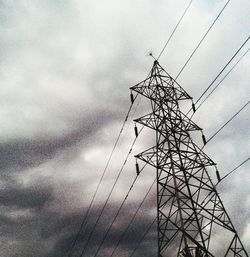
{"type": "Point", "coordinates": [117, 213]}
{"type": "Point", "coordinates": [175, 28]}
{"type": "Point", "coordinates": [143, 237]}
{"type": "Point", "coordinates": [242, 108]}
{"type": "Point", "coordinates": [132, 220]}
{"type": "Point", "coordinates": [109, 195]}
{"type": "Point", "coordinates": [197, 107]}
{"type": "Point", "coordinates": [228, 174]}
{"type": "Point", "coordinates": [236, 168]}
{"type": "Point", "coordinates": [205, 91]}
{"type": "Point", "coordinates": [217, 17]}
{"type": "Point", "coordinates": [83, 223]}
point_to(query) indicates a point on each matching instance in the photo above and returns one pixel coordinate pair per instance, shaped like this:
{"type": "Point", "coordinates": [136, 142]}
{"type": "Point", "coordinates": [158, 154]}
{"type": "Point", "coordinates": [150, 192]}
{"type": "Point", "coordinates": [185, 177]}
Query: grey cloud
{"type": "Point", "coordinates": [23, 198]}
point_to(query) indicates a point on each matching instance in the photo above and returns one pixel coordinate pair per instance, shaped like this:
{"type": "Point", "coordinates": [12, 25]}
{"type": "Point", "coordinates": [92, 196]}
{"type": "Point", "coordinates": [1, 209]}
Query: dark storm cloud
{"type": "Point", "coordinates": [22, 198]}
{"type": "Point", "coordinates": [20, 154]}
{"type": "Point", "coordinates": [60, 230]}
{"type": "Point", "coordinates": [5, 224]}
{"type": "Point", "coordinates": [69, 227]}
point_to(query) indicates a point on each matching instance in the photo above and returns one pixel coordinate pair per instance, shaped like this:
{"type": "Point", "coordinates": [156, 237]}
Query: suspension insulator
{"type": "Point", "coordinates": [137, 168]}
{"type": "Point", "coordinates": [132, 98]}
{"type": "Point", "coordinates": [193, 107]}
{"type": "Point", "coordinates": [136, 131]}
{"type": "Point", "coordinates": [204, 139]}
{"type": "Point", "coordinates": [218, 175]}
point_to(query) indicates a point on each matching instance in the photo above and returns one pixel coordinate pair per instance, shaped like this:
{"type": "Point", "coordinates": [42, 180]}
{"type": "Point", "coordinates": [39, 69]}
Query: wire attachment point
{"type": "Point", "coordinates": [136, 131]}
{"type": "Point", "coordinates": [137, 168]}
{"type": "Point", "coordinates": [193, 107]}
{"type": "Point", "coordinates": [217, 174]}
{"type": "Point", "coordinates": [132, 97]}
{"type": "Point", "coordinates": [204, 139]}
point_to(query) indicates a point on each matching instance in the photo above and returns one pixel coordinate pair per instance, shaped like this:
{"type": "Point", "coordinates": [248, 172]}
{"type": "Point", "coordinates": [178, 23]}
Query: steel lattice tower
{"type": "Point", "coordinates": [189, 208]}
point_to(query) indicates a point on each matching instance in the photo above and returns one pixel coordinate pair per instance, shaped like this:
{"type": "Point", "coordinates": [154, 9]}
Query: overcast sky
{"type": "Point", "coordinates": [65, 70]}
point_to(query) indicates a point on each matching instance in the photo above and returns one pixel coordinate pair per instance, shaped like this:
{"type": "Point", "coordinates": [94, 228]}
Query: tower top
{"type": "Point", "coordinates": [160, 82]}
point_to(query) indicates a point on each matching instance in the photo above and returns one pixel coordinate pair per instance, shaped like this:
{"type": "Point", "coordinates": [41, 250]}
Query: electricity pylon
{"type": "Point", "coordinates": [192, 220]}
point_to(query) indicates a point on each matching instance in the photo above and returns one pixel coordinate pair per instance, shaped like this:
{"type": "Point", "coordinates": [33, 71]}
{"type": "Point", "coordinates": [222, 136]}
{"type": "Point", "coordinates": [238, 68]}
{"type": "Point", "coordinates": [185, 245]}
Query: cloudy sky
{"type": "Point", "coordinates": [65, 69]}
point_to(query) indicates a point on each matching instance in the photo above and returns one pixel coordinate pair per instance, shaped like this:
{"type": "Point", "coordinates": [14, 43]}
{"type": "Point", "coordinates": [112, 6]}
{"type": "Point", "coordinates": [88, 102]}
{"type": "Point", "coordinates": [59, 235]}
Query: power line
{"type": "Point", "coordinates": [222, 70]}
{"type": "Point", "coordinates": [132, 220]}
{"type": "Point", "coordinates": [110, 193]}
{"type": "Point", "coordinates": [217, 17]}
{"type": "Point", "coordinates": [106, 233]}
{"type": "Point", "coordinates": [222, 80]}
{"type": "Point", "coordinates": [205, 99]}
{"type": "Point", "coordinates": [117, 213]}
{"type": "Point", "coordinates": [70, 250]}
{"type": "Point", "coordinates": [204, 92]}
{"type": "Point", "coordinates": [228, 174]}
{"type": "Point", "coordinates": [143, 237]}
{"type": "Point", "coordinates": [176, 26]}
{"type": "Point", "coordinates": [243, 107]}
{"type": "Point", "coordinates": [237, 167]}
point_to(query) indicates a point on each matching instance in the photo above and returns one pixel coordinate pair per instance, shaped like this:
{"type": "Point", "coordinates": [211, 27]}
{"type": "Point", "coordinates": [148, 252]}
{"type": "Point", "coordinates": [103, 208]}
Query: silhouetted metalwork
{"type": "Point", "coordinates": [192, 220]}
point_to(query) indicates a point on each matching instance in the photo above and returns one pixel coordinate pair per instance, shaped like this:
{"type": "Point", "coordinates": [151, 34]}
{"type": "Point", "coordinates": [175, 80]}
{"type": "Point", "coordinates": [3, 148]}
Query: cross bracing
{"type": "Point", "coordinates": [189, 208]}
